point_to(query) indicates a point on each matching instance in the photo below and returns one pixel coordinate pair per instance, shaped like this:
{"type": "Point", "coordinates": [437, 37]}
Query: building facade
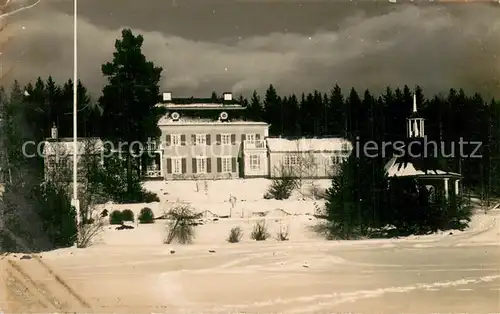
{"type": "Point", "coordinates": [212, 139]}
{"type": "Point", "coordinates": [209, 139]}
{"type": "Point", "coordinates": [307, 158]}
{"type": "Point", "coordinates": [58, 155]}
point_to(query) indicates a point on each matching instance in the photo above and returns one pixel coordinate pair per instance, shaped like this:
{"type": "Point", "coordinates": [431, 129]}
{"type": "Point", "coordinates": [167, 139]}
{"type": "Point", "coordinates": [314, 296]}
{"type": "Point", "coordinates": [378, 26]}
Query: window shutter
{"type": "Point", "coordinates": [193, 138]}
{"type": "Point", "coordinates": [243, 137]}
{"type": "Point", "coordinates": [233, 161]}
{"type": "Point", "coordinates": [194, 165]}
{"type": "Point", "coordinates": [183, 139]}
{"type": "Point", "coordinates": [218, 139]}
{"type": "Point", "coordinates": [168, 139]}
{"type": "Point", "coordinates": [233, 139]}
{"type": "Point", "coordinates": [169, 165]}
{"type": "Point", "coordinates": [257, 136]}
{"type": "Point", "coordinates": [209, 165]}
{"type": "Point", "coordinates": [219, 164]}
{"type": "Point", "coordinates": [184, 166]}
{"type": "Point", "coordinates": [208, 139]}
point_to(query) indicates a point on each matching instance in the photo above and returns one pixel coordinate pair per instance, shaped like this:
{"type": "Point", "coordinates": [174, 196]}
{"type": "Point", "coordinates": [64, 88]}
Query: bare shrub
{"type": "Point", "coordinates": [259, 232]}
{"type": "Point", "coordinates": [317, 192]}
{"type": "Point", "coordinates": [88, 232]}
{"type": "Point", "coordinates": [181, 224]}
{"type": "Point", "coordinates": [282, 234]}
{"type": "Point", "coordinates": [235, 235]}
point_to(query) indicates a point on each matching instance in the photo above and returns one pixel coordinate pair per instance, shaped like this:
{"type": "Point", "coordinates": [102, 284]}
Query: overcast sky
{"type": "Point", "coordinates": [238, 46]}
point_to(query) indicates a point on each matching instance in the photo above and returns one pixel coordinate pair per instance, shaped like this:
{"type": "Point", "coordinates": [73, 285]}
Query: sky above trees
{"type": "Point", "coordinates": [240, 46]}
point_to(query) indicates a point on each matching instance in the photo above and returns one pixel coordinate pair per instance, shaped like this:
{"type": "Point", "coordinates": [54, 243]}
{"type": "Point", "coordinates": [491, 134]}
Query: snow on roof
{"type": "Point", "coordinates": [308, 145]}
{"type": "Point", "coordinates": [165, 120]}
{"type": "Point", "coordinates": [197, 106]}
{"type": "Point", "coordinates": [65, 146]}
{"type": "Point", "coordinates": [407, 169]}
{"type": "Point", "coordinates": [199, 101]}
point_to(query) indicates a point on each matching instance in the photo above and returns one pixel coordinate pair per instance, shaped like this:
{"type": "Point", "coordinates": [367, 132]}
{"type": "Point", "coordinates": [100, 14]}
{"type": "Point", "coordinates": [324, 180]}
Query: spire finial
{"type": "Point", "coordinates": [414, 102]}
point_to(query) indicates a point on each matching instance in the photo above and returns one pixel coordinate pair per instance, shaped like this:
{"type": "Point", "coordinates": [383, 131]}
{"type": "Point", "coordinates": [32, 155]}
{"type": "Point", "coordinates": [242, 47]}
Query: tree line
{"type": "Point", "coordinates": [379, 118]}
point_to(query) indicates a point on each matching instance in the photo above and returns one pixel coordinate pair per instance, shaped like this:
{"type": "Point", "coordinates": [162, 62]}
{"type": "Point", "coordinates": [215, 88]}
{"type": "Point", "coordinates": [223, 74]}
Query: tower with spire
{"type": "Point", "coordinates": [419, 158]}
{"type": "Point", "coordinates": [415, 124]}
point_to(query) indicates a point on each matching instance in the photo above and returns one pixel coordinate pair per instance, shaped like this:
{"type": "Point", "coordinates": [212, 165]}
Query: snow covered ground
{"type": "Point", "coordinates": [213, 198]}
{"type": "Point", "coordinates": [133, 271]}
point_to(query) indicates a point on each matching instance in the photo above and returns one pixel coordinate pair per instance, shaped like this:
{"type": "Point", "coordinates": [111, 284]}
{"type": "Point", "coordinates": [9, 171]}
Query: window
{"type": "Point", "coordinates": [290, 160]}
{"type": "Point", "coordinates": [176, 165]}
{"type": "Point", "coordinates": [201, 164]}
{"type": "Point", "coordinates": [176, 140]}
{"type": "Point", "coordinates": [226, 164]}
{"type": "Point", "coordinates": [338, 159]}
{"type": "Point", "coordinates": [250, 137]}
{"type": "Point", "coordinates": [201, 139]}
{"type": "Point", "coordinates": [254, 162]}
{"type": "Point", "coordinates": [225, 139]}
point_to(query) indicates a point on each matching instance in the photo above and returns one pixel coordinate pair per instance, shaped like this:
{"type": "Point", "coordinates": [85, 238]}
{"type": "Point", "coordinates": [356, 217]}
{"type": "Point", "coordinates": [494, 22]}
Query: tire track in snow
{"type": "Point", "coordinates": [4, 15]}
{"type": "Point", "coordinates": [327, 301]}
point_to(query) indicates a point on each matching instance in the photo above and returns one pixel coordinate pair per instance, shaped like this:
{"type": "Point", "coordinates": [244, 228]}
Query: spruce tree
{"type": "Point", "coordinates": [129, 99]}
{"type": "Point", "coordinates": [255, 110]}
{"type": "Point", "coordinates": [342, 201]}
{"type": "Point", "coordinates": [272, 110]}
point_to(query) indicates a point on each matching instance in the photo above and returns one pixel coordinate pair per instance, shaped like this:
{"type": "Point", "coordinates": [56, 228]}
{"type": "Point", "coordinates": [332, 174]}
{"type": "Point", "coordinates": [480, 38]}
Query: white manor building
{"type": "Point", "coordinates": [211, 139]}
{"type": "Point", "coordinates": [311, 157]}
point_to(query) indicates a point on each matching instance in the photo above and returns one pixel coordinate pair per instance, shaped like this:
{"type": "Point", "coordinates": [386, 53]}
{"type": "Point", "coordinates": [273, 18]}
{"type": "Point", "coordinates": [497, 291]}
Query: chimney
{"type": "Point", "coordinates": [228, 96]}
{"type": "Point", "coordinates": [414, 102]}
{"type": "Point", "coordinates": [167, 96]}
{"type": "Point", "coordinates": [53, 132]}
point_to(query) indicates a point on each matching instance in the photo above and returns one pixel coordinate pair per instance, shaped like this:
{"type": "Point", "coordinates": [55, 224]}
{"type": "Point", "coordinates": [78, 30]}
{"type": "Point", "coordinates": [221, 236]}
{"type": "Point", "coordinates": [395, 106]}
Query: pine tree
{"type": "Point", "coordinates": [129, 100]}
{"type": "Point", "coordinates": [255, 110]}
{"type": "Point", "coordinates": [35, 216]}
{"type": "Point", "coordinates": [353, 105]}
{"type": "Point", "coordinates": [336, 113]}
{"type": "Point", "coordinates": [342, 201]}
{"type": "Point", "coordinates": [272, 110]}
{"type": "Point", "coordinates": [291, 116]}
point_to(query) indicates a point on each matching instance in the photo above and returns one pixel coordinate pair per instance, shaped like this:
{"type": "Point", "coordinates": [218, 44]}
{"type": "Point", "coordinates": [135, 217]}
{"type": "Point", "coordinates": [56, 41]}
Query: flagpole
{"type": "Point", "coordinates": [75, 202]}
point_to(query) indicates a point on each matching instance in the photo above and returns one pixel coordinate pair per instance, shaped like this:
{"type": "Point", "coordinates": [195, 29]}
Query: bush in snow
{"type": "Point", "coordinates": [235, 235]}
{"type": "Point", "coordinates": [127, 215]}
{"type": "Point", "coordinates": [146, 216]}
{"type": "Point", "coordinates": [282, 187]}
{"type": "Point", "coordinates": [182, 221]}
{"type": "Point", "coordinates": [259, 232]}
{"type": "Point", "coordinates": [115, 218]}
{"type": "Point", "coordinates": [282, 234]}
